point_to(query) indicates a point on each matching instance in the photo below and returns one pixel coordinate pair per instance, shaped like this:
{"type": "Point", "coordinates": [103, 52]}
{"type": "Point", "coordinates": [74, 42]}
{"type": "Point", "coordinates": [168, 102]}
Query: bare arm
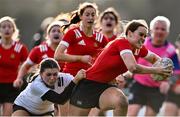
{"type": "Point", "coordinates": [127, 74]}
{"type": "Point", "coordinates": [152, 57]}
{"type": "Point", "coordinates": [81, 74]}
{"type": "Point", "coordinates": [60, 55]}
{"type": "Point", "coordinates": [22, 72]}
{"type": "Point", "coordinates": [134, 67]}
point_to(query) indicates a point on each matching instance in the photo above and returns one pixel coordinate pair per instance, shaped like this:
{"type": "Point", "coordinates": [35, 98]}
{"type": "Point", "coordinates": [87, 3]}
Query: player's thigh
{"type": "Point", "coordinates": [112, 98]}
{"type": "Point", "coordinates": [64, 109]}
{"type": "Point", "coordinates": [78, 111]}
{"type": "Point", "coordinates": [170, 109]}
{"type": "Point", "coordinates": [20, 113]}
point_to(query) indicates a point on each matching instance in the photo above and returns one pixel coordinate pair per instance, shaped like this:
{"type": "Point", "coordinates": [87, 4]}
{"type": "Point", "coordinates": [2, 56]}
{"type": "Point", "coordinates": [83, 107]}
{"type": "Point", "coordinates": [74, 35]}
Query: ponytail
{"type": "Point", "coordinates": [32, 76]}
{"type": "Point", "coordinates": [74, 20]}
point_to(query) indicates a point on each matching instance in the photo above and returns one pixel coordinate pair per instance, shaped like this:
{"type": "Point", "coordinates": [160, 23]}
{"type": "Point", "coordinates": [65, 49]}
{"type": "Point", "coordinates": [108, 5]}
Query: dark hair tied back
{"type": "Point", "coordinates": [74, 20]}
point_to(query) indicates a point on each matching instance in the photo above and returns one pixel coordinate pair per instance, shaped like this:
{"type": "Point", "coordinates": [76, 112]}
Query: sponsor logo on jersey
{"type": "Point", "coordinates": [44, 56]}
{"type": "Point", "coordinates": [81, 42]}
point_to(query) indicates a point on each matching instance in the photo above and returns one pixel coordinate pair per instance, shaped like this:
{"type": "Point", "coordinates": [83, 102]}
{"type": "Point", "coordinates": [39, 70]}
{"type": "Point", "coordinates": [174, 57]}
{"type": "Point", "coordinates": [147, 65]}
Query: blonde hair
{"type": "Point", "coordinates": [160, 18]}
{"type": "Point", "coordinates": [16, 30]}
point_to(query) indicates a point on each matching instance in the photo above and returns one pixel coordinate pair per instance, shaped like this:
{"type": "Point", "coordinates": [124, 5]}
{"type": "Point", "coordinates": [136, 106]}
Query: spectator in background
{"type": "Point", "coordinates": [12, 54]}
{"type": "Point", "coordinates": [39, 36]}
{"type": "Point", "coordinates": [145, 91]}
{"type": "Point", "coordinates": [172, 103]}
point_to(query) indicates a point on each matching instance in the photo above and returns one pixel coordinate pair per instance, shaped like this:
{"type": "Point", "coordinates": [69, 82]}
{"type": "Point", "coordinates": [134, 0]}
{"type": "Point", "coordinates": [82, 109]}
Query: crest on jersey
{"type": "Point", "coordinates": [95, 44]}
{"type": "Point", "coordinates": [12, 56]}
{"type": "Point", "coordinates": [81, 42]}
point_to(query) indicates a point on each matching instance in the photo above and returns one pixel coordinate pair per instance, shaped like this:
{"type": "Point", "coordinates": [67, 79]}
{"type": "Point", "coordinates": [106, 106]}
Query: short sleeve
{"type": "Point", "coordinates": [143, 51]}
{"type": "Point", "coordinates": [33, 55]}
{"type": "Point", "coordinates": [24, 53]}
{"type": "Point", "coordinates": [39, 88]}
{"type": "Point", "coordinates": [123, 46]}
{"type": "Point", "coordinates": [66, 77]}
{"type": "Point", "coordinates": [69, 38]}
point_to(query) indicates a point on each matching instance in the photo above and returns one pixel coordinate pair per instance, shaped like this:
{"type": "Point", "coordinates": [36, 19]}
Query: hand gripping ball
{"type": "Point", "coordinates": [164, 62]}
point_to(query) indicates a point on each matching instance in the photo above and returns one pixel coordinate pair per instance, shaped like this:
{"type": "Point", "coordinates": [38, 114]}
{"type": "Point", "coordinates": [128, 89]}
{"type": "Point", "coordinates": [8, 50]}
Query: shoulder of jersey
{"type": "Point", "coordinates": [64, 74]}
{"type": "Point", "coordinates": [121, 39]}
{"type": "Point", "coordinates": [18, 46]}
{"type": "Point", "coordinates": [98, 36]}
{"type": "Point", "coordinates": [77, 32]}
{"type": "Point", "coordinates": [43, 48]}
{"type": "Point", "coordinates": [171, 48]}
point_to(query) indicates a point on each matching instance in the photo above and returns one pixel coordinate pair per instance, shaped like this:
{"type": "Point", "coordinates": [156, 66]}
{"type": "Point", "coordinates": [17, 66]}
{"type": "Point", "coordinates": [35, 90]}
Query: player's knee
{"type": "Point", "coordinates": [122, 102]}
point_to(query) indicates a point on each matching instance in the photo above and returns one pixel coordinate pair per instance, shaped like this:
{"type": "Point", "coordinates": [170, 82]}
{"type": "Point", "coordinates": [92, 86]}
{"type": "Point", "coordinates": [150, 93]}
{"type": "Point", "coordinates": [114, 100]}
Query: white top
{"type": "Point", "coordinates": [30, 98]}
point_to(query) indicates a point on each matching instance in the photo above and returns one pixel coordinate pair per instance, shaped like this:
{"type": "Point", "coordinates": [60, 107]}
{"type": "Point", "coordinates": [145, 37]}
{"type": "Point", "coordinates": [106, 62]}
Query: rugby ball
{"type": "Point", "coordinates": [162, 63]}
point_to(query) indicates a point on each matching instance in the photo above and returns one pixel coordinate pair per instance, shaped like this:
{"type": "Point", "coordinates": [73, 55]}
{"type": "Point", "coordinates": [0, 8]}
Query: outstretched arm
{"type": "Point", "coordinates": [22, 72]}
{"type": "Point", "coordinates": [134, 67]}
{"type": "Point", "coordinates": [65, 95]}
{"type": "Point", "coordinates": [59, 98]}
{"type": "Point", "coordinates": [152, 57]}
{"type": "Point", "coordinates": [60, 55]}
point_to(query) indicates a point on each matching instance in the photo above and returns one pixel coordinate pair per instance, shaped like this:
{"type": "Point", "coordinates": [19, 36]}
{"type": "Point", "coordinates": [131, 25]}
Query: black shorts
{"type": "Point", "coordinates": [143, 95]}
{"type": "Point", "coordinates": [173, 97]}
{"type": "Point", "coordinates": [87, 93]}
{"type": "Point", "coordinates": [8, 93]}
{"type": "Point", "coordinates": [17, 107]}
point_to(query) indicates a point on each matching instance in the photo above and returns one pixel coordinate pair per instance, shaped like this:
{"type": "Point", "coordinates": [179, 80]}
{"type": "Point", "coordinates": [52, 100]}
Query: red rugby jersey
{"type": "Point", "coordinates": [38, 53]}
{"type": "Point", "coordinates": [112, 38]}
{"type": "Point", "coordinates": [79, 44]}
{"type": "Point", "coordinates": [10, 59]}
{"type": "Point", "coordinates": [109, 63]}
